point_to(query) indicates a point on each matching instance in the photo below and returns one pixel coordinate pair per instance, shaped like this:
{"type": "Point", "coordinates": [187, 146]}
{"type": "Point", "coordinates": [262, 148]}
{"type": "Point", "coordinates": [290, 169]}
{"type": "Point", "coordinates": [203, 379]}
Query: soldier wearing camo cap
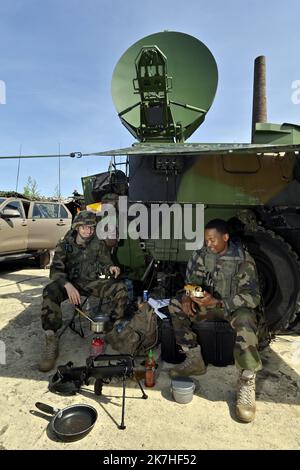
{"type": "Point", "coordinates": [80, 257]}
{"type": "Point", "coordinates": [228, 275]}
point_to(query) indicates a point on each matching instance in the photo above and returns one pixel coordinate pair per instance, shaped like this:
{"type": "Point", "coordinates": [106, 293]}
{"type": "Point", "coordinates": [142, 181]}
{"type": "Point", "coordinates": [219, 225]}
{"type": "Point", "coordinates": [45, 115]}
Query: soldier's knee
{"type": "Point", "coordinates": [47, 290]}
{"type": "Point", "coordinates": [52, 290]}
{"type": "Point", "coordinates": [119, 291]}
{"type": "Point", "coordinates": [120, 286]}
{"type": "Point", "coordinates": [244, 318]}
{"type": "Point", "coordinates": [122, 289]}
{"type": "Point", "coordinates": [174, 306]}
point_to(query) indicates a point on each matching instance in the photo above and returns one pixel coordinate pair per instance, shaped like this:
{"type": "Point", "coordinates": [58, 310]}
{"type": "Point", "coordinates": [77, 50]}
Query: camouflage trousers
{"type": "Point", "coordinates": [243, 321]}
{"type": "Point", "coordinates": [112, 293]}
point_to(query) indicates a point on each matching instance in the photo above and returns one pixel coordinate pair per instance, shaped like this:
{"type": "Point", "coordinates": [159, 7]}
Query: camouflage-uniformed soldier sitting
{"type": "Point", "coordinates": [80, 257]}
{"type": "Point", "coordinates": [228, 275]}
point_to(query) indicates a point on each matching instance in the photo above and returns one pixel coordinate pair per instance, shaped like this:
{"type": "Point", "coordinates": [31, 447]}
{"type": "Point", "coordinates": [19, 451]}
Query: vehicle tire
{"type": "Point", "coordinates": [279, 274]}
{"type": "Point", "coordinates": [43, 259]}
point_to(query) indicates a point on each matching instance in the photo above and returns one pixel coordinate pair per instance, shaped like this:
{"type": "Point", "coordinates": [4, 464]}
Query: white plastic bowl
{"type": "Point", "coordinates": [182, 389]}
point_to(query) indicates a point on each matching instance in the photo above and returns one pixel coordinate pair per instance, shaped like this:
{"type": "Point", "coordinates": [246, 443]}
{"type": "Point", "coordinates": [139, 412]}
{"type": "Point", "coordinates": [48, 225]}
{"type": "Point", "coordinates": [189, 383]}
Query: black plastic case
{"type": "Point", "coordinates": [217, 340]}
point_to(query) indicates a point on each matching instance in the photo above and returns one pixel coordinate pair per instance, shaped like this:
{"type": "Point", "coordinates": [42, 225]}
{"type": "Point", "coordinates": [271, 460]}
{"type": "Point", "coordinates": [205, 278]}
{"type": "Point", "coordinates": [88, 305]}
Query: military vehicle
{"type": "Point", "coordinates": [162, 87]}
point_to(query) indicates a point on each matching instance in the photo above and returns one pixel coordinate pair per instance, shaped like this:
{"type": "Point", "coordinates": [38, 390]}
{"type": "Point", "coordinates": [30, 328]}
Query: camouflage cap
{"type": "Point", "coordinates": [110, 197]}
{"type": "Point", "coordinates": [84, 218]}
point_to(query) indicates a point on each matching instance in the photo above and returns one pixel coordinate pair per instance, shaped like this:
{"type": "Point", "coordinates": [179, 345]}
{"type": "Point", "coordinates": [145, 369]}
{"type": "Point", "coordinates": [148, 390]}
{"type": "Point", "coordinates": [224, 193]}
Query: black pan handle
{"type": "Point", "coordinates": [46, 408]}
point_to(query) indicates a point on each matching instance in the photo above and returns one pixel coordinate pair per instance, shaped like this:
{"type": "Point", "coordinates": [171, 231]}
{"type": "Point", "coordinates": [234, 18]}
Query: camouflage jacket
{"type": "Point", "coordinates": [79, 263]}
{"type": "Point", "coordinates": [231, 277]}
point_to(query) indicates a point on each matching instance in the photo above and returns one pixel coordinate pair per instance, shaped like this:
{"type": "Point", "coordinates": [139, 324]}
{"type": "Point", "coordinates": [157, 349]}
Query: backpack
{"type": "Point", "coordinates": [137, 335]}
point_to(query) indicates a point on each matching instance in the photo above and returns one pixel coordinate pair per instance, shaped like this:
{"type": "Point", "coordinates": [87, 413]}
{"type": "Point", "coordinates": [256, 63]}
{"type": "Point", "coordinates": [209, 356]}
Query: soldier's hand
{"type": "Point", "coordinates": [206, 301]}
{"type": "Point", "coordinates": [187, 306]}
{"type": "Point", "coordinates": [115, 270]}
{"type": "Point", "coordinates": [73, 294]}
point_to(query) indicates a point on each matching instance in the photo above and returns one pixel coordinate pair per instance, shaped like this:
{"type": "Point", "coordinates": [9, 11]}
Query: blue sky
{"type": "Point", "coordinates": [57, 58]}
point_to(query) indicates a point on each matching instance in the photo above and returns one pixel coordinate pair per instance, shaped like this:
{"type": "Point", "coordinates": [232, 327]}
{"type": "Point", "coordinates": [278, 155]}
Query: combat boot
{"type": "Point", "coordinates": [192, 365]}
{"type": "Point", "coordinates": [245, 403]}
{"type": "Point", "coordinates": [50, 352]}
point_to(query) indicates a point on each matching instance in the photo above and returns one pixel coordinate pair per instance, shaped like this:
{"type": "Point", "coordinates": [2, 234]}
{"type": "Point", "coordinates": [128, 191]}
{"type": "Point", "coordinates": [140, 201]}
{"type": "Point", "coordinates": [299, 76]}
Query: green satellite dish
{"type": "Point", "coordinates": [164, 85]}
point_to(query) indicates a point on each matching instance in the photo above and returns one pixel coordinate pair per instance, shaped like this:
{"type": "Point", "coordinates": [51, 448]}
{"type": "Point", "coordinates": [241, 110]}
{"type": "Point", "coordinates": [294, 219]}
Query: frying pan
{"type": "Point", "coordinates": [70, 423]}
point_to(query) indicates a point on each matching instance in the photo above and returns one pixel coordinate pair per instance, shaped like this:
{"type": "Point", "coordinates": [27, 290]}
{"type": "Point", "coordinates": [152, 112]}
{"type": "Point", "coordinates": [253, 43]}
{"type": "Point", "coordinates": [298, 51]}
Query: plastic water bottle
{"type": "Point", "coordinates": [120, 326]}
{"type": "Point", "coordinates": [129, 285]}
{"type": "Point", "coordinates": [97, 346]}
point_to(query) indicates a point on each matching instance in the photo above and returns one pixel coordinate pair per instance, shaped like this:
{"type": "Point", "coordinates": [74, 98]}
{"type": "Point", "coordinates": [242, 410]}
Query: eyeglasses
{"type": "Point", "coordinates": [91, 228]}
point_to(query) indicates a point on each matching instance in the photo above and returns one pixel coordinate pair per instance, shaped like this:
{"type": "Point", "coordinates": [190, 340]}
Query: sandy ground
{"type": "Point", "coordinates": [208, 422]}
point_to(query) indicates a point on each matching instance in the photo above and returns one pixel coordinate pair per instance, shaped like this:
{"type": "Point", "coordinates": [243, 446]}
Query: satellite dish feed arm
{"type": "Point", "coordinates": [188, 106]}
{"type": "Point", "coordinates": [129, 109]}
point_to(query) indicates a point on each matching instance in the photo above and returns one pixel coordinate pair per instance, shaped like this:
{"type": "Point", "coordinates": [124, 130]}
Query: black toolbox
{"type": "Point", "coordinates": [217, 340]}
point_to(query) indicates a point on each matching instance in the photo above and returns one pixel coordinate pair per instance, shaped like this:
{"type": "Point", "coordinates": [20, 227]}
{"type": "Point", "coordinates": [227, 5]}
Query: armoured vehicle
{"type": "Point", "coordinates": [163, 87]}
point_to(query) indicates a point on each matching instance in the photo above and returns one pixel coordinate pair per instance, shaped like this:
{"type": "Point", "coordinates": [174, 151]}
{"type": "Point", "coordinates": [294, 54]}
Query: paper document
{"type": "Point", "coordinates": [156, 304]}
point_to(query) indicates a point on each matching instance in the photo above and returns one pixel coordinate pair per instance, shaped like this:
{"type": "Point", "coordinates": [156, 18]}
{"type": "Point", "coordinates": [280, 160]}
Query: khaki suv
{"type": "Point", "coordinates": [31, 228]}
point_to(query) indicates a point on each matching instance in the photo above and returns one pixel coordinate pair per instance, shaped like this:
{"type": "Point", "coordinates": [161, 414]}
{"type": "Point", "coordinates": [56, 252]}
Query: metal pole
{"type": "Point", "coordinates": [18, 172]}
{"type": "Point", "coordinates": [59, 193]}
{"type": "Point", "coordinates": [122, 425]}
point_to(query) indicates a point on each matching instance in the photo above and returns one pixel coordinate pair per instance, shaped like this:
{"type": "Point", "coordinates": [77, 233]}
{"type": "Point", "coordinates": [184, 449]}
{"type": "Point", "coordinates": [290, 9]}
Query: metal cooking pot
{"type": "Point", "coordinates": [97, 322]}
{"type": "Point", "coordinates": [70, 423]}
